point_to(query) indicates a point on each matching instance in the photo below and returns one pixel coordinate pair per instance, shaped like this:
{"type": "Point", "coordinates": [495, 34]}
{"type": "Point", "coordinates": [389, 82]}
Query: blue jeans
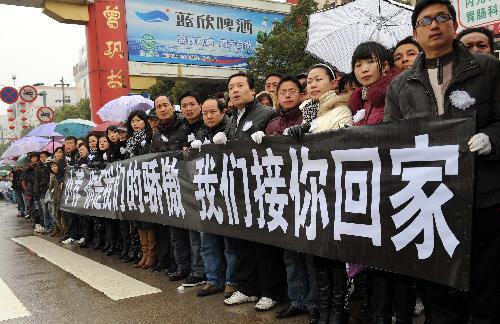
{"type": "Point", "coordinates": [212, 249]}
{"type": "Point", "coordinates": [197, 267]}
{"type": "Point", "coordinates": [301, 279]}
{"type": "Point", "coordinates": [43, 210]}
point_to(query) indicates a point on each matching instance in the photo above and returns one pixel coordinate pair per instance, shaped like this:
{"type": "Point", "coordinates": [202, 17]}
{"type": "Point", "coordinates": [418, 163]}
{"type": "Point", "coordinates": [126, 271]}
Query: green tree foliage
{"type": "Point", "coordinates": [283, 50]}
{"type": "Point", "coordinates": [80, 110]}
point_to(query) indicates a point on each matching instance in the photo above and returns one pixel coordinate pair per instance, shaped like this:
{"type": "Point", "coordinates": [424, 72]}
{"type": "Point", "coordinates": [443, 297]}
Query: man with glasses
{"type": "Point", "coordinates": [446, 78]}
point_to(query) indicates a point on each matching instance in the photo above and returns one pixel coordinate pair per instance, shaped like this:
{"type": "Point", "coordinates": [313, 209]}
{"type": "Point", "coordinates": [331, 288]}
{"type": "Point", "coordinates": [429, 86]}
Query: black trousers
{"type": "Point", "coordinates": [331, 278]}
{"type": "Point", "coordinates": [182, 248]}
{"type": "Point", "coordinates": [86, 227]}
{"type": "Point", "coordinates": [482, 304]}
{"type": "Point", "coordinates": [72, 221]}
{"type": "Point", "coordinates": [125, 232]}
{"type": "Point", "coordinates": [112, 230]}
{"type": "Point", "coordinates": [392, 291]}
{"type": "Point", "coordinates": [163, 241]}
{"type": "Point", "coordinates": [260, 269]}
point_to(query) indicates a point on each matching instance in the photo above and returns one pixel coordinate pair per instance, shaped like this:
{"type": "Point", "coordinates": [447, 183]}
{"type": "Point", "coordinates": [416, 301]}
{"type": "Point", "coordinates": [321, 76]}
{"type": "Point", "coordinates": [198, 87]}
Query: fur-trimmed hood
{"type": "Point", "coordinates": [331, 100]}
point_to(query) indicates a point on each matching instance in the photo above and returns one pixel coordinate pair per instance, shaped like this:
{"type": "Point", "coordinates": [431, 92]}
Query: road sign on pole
{"type": "Point", "coordinates": [28, 93]}
{"type": "Point", "coordinates": [45, 115]}
{"type": "Point", "coordinates": [9, 95]}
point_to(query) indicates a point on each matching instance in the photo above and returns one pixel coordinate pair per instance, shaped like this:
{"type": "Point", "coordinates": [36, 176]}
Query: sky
{"type": "Point", "coordinates": [36, 48]}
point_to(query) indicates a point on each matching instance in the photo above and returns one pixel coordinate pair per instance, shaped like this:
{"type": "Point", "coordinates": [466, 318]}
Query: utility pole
{"type": "Point", "coordinates": [62, 84]}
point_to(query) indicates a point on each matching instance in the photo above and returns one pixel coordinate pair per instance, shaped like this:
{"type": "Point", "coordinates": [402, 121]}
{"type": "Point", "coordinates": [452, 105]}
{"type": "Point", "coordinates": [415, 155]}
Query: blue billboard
{"type": "Point", "coordinates": [169, 31]}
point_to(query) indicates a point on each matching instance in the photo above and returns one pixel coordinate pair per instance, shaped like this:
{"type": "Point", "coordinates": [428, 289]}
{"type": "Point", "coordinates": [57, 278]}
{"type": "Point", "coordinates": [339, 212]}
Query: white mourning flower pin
{"type": "Point", "coordinates": [247, 125]}
{"type": "Point", "coordinates": [461, 99]}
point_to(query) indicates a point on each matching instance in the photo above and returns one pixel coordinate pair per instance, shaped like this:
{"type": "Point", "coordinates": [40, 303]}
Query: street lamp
{"type": "Point", "coordinates": [38, 84]}
{"type": "Point", "coordinates": [62, 84]}
{"type": "Point", "coordinates": [44, 95]}
{"type": "Point", "coordinates": [14, 79]}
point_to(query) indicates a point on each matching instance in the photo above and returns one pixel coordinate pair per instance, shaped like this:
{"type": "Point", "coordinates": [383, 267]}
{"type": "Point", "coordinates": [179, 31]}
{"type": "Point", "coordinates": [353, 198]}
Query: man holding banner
{"type": "Point", "coordinates": [446, 79]}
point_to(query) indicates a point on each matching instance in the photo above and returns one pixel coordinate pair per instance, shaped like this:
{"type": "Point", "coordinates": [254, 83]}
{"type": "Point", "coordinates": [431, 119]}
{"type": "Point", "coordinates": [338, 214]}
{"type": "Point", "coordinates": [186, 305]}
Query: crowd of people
{"type": "Point", "coordinates": [414, 79]}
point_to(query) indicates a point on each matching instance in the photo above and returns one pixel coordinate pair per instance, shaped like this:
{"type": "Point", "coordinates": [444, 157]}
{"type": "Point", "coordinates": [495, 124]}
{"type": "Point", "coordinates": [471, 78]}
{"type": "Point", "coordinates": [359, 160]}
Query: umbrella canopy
{"type": "Point", "coordinates": [74, 127]}
{"type": "Point", "coordinates": [25, 145]}
{"type": "Point", "coordinates": [118, 109]}
{"type": "Point", "coordinates": [7, 162]}
{"type": "Point", "coordinates": [22, 161]}
{"type": "Point", "coordinates": [103, 126]}
{"type": "Point", "coordinates": [51, 146]}
{"type": "Point", "coordinates": [44, 130]}
{"type": "Point", "coordinates": [334, 34]}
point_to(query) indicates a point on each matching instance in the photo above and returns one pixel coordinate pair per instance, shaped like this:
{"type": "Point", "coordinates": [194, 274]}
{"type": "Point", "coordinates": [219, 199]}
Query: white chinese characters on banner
{"type": "Point", "coordinates": [424, 212]}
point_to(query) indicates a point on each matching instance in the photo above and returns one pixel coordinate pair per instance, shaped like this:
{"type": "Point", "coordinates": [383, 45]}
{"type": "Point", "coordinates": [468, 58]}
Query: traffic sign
{"type": "Point", "coordinates": [9, 95]}
{"type": "Point", "coordinates": [45, 114]}
{"type": "Point", "coordinates": [28, 93]}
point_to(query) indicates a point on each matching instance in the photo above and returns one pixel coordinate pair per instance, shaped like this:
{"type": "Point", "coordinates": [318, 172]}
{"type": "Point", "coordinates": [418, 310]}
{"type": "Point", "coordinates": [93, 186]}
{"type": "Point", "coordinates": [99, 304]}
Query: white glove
{"type": "Point", "coordinates": [196, 144]}
{"type": "Point", "coordinates": [191, 137]}
{"type": "Point", "coordinates": [83, 166]}
{"type": "Point", "coordinates": [123, 150]}
{"type": "Point", "coordinates": [143, 143]}
{"type": "Point", "coordinates": [220, 138]}
{"type": "Point", "coordinates": [480, 143]}
{"type": "Point", "coordinates": [105, 157]}
{"type": "Point", "coordinates": [285, 132]}
{"type": "Point", "coordinates": [258, 136]}
{"type": "Point", "coordinates": [68, 159]}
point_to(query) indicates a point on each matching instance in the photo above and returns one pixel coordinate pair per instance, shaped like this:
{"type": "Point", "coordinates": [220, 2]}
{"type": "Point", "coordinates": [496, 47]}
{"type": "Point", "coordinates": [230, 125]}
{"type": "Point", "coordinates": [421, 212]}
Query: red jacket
{"type": "Point", "coordinates": [375, 100]}
{"type": "Point", "coordinates": [285, 120]}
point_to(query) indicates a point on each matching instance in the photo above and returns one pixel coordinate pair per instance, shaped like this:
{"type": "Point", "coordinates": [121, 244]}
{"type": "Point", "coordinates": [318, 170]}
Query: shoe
{"type": "Point", "coordinates": [419, 307]}
{"type": "Point", "coordinates": [81, 241]}
{"type": "Point", "coordinates": [265, 303]}
{"type": "Point", "coordinates": [110, 252]}
{"type": "Point", "coordinates": [27, 216]}
{"type": "Point", "coordinates": [178, 275]}
{"type": "Point", "coordinates": [63, 238]}
{"type": "Point", "coordinates": [38, 228]}
{"type": "Point", "coordinates": [85, 244]}
{"type": "Point", "coordinates": [229, 291]}
{"type": "Point", "coordinates": [207, 290]}
{"type": "Point", "coordinates": [171, 269]}
{"type": "Point", "coordinates": [159, 267]}
{"type": "Point", "coordinates": [68, 241]}
{"type": "Point", "coordinates": [193, 281]}
{"type": "Point", "coordinates": [239, 298]}
{"type": "Point", "coordinates": [290, 311]}
{"type": "Point", "coordinates": [106, 247]}
{"type": "Point", "coordinates": [313, 316]}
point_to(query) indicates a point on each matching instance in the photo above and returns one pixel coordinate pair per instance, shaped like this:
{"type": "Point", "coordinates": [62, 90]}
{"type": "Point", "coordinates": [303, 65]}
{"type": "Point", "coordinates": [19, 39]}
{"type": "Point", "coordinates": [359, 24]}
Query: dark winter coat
{"type": "Point", "coordinates": [255, 118]}
{"type": "Point", "coordinates": [171, 136]}
{"type": "Point", "coordinates": [375, 100]}
{"type": "Point", "coordinates": [17, 180]}
{"type": "Point", "coordinates": [207, 133]}
{"type": "Point", "coordinates": [195, 127]}
{"type": "Point", "coordinates": [411, 95]}
{"type": "Point", "coordinates": [114, 153]}
{"type": "Point", "coordinates": [285, 120]}
{"type": "Point", "coordinates": [42, 178]}
{"type": "Point", "coordinates": [140, 149]}
{"type": "Point", "coordinates": [82, 161]}
{"type": "Point", "coordinates": [29, 181]}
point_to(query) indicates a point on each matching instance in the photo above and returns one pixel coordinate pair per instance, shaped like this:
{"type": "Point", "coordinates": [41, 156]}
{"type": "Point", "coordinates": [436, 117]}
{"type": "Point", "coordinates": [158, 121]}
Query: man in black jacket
{"type": "Point", "coordinates": [72, 220]}
{"type": "Point", "coordinates": [17, 186]}
{"type": "Point", "coordinates": [29, 180]}
{"type": "Point", "coordinates": [445, 71]}
{"type": "Point", "coordinates": [171, 136]}
{"type": "Point", "coordinates": [41, 184]}
{"type": "Point", "coordinates": [259, 267]}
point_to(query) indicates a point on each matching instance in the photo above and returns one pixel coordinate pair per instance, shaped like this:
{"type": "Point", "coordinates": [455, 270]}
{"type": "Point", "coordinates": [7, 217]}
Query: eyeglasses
{"type": "Point", "coordinates": [285, 92]}
{"type": "Point", "coordinates": [426, 21]}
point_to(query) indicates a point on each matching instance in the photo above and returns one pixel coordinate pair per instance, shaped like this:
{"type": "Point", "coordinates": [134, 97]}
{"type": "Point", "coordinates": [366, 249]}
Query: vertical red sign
{"type": "Point", "coordinates": [107, 53]}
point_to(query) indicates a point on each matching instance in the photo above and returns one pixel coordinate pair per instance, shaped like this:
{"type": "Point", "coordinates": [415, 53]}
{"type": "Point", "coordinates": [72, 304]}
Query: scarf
{"type": "Point", "coordinates": [134, 142]}
{"type": "Point", "coordinates": [310, 111]}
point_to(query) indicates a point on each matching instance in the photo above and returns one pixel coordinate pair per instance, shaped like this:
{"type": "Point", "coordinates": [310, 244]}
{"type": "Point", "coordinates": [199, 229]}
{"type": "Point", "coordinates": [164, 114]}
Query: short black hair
{"type": "Point", "coordinates": [291, 79]}
{"type": "Point", "coordinates": [407, 40]}
{"type": "Point", "coordinates": [84, 144]}
{"type": "Point", "coordinates": [482, 30]}
{"type": "Point", "coordinates": [221, 105]}
{"type": "Point", "coordinates": [250, 79]}
{"type": "Point", "coordinates": [279, 75]}
{"type": "Point", "coordinates": [301, 76]}
{"type": "Point", "coordinates": [191, 93]}
{"type": "Point", "coordinates": [345, 80]}
{"type": "Point", "coordinates": [368, 50]}
{"type": "Point", "coordinates": [422, 4]}
{"type": "Point", "coordinates": [163, 95]}
{"type": "Point", "coordinates": [71, 138]}
{"type": "Point", "coordinates": [46, 153]}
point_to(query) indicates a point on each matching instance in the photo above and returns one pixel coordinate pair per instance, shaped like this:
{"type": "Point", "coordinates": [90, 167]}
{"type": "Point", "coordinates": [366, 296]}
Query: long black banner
{"type": "Point", "coordinates": [395, 196]}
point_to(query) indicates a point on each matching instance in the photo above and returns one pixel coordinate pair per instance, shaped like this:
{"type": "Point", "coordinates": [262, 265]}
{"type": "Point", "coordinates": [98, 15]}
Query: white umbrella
{"type": "Point", "coordinates": [118, 109]}
{"type": "Point", "coordinates": [335, 33]}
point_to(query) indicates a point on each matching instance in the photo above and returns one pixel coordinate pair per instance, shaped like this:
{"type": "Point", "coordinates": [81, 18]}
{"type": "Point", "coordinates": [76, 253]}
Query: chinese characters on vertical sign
{"type": "Point", "coordinates": [113, 17]}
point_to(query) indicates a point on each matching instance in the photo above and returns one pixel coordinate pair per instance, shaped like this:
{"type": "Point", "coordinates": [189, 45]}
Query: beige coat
{"type": "Point", "coordinates": [333, 113]}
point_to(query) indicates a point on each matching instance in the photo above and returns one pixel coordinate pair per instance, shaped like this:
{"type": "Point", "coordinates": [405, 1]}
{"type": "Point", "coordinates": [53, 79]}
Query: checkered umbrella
{"type": "Point", "coordinates": [334, 34]}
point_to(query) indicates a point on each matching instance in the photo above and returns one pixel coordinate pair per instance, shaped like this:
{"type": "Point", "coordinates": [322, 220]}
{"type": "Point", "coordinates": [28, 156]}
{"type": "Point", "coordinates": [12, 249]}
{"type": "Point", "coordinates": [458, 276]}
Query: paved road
{"type": "Point", "coordinates": [50, 283]}
{"type": "Point", "coordinates": [42, 281]}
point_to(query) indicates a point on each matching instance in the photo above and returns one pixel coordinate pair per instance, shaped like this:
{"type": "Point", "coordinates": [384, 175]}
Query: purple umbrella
{"type": "Point", "coordinates": [44, 130]}
{"type": "Point", "coordinates": [25, 145]}
{"type": "Point", "coordinates": [118, 109]}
